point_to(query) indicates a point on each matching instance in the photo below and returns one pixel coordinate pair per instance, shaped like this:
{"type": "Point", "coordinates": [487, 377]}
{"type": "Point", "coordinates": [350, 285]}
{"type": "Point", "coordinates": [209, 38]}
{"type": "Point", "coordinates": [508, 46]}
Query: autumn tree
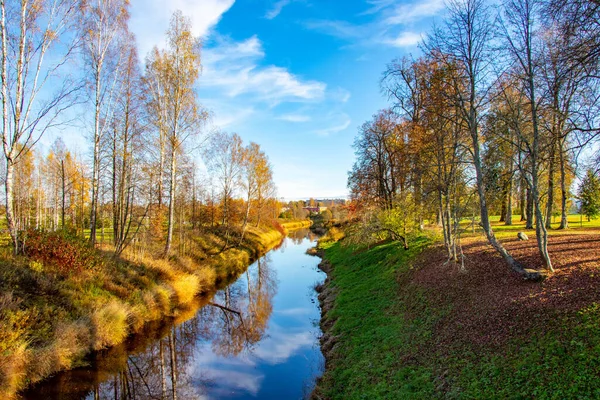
{"type": "Point", "coordinates": [521, 33]}
{"type": "Point", "coordinates": [255, 180]}
{"type": "Point", "coordinates": [179, 72]}
{"type": "Point", "coordinates": [465, 42]}
{"type": "Point", "coordinates": [224, 159]}
{"type": "Point", "coordinates": [126, 149]}
{"type": "Point", "coordinates": [589, 195]}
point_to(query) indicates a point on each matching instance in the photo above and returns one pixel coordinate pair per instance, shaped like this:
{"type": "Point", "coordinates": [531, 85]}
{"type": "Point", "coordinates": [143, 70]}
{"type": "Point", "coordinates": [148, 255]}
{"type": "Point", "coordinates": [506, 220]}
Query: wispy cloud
{"type": "Point", "coordinates": [377, 5]}
{"type": "Point", "coordinates": [399, 14]}
{"type": "Point", "coordinates": [391, 24]}
{"type": "Point", "coordinates": [294, 118]}
{"type": "Point", "coordinates": [343, 123]}
{"type": "Point", "coordinates": [235, 68]}
{"type": "Point", "coordinates": [276, 9]}
{"type": "Point", "coordinates": [336, 28]}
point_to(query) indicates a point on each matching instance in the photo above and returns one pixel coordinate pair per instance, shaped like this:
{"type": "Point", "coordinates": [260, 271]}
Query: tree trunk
{"type": "Point", "coordinates": [246, 215]}
{"type": "Point", "coordinates": [504, 206]}
{"type": "Point", "coordinates": [551, 173]}
{"type": "Point", "coordinates": [173, 364]}
{"type": "Point", "coordinates": [63, 178]}
{"type": "Point", "coordinates": [529, 211]}
{"type": "Point", "coordinates": [115, 205]}
{"type": "Point", "coordinates": [540, 223]}
{"type": "Point", "coordinates": [171, 204]}
{"type": "Point", "coordinates": [96, 159]}
{"type": "Point", "coordinates": [163, 374]}
{"type": "Point", "coordinates": [485, 219]}
{"type": "Point", "coordinates": [509, 205]}
{"type": "Point", "coordinates": [522, 200]}
{"type": "Point", "coordinates": [10, 218]}
{"type": "Point", "coordinates": [564, 191]}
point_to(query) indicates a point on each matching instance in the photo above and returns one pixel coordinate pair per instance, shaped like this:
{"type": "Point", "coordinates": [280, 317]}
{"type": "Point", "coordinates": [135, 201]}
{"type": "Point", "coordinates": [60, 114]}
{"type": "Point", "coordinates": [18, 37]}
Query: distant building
{"type": "Point", "coordinates": [315, 210]}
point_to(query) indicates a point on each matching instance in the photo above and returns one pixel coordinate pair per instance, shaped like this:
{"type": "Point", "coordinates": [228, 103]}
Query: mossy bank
{"type": "Point", "coordinates": [64, 300]}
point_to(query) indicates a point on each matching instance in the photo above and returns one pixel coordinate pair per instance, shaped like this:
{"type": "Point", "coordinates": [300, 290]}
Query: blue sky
{"type": "Point", "coordinates": [296, 76]}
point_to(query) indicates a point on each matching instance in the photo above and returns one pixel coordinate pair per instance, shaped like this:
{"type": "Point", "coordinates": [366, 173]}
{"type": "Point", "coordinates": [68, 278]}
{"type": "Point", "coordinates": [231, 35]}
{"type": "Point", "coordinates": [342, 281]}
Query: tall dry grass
{"type": "Point", "coordinates": [51, 318]}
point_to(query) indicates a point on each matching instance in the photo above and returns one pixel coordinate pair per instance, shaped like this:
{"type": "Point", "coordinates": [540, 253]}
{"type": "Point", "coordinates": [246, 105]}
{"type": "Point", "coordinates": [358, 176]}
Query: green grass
{"type": "Point", "coordinates": [560, 361]}
{"type": "Point", "coordinates": [384, 327]}
{"type": "Point", "coordinates": [371, 327]}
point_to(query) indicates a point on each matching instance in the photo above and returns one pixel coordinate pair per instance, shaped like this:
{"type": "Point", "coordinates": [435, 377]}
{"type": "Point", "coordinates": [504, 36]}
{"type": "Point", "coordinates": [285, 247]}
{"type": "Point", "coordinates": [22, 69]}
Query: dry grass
{"type": "Point", "coordinates": [49, 322]}
{"type": "Point", "coordinates": [293, 225]}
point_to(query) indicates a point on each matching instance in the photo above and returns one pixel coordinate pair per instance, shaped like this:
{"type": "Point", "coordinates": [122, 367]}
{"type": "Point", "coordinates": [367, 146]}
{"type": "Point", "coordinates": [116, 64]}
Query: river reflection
{"type": "Point", "coordinates": [256, 338]}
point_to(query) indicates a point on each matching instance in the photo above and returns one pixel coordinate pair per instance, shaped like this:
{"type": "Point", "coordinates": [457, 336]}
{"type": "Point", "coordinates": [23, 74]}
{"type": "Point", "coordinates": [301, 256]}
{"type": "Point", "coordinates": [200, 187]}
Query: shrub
{"type": "Point", "coordinates": [109, 323]}
{"type": "Point", "coordinates": [279, 228]}
{"type": "Point", "coordinates": [61, 252]}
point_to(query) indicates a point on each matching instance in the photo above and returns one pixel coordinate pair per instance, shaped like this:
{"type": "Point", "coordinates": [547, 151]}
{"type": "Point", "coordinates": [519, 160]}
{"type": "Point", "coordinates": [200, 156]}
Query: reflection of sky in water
{"type": "Point", "coordinates": [282, 364]}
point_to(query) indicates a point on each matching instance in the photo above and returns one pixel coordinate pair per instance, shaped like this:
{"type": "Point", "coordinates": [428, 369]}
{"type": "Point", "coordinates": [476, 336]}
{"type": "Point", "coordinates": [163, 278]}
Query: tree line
{"type": "Point", "coordinates": [494, 116]}
{"type": "Point", "coordinates": [145, 125]}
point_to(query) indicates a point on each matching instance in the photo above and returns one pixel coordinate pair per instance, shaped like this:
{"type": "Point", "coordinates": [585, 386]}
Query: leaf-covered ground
{"type": "Point", "coordinates": [409, 325]}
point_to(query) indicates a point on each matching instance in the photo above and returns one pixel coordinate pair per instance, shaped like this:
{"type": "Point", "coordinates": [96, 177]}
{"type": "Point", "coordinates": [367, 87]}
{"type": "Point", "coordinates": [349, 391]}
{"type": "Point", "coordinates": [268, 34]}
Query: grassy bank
{"type": "Point", "coordinates": [64, 299]}
{"type": "Point", "coordinates": [405, 325]}
{"type": "Point", "coordinates": [293, 225]}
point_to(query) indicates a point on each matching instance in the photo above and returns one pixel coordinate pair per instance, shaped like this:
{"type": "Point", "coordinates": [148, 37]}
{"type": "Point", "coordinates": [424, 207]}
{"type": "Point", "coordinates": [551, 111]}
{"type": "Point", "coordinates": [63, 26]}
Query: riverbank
{"type": "Point", "coordinates": [403, 324]}
{"type": "Point", "coordinates": [293, 225]}
{"type": "Point", "coordinates": [65, 300]}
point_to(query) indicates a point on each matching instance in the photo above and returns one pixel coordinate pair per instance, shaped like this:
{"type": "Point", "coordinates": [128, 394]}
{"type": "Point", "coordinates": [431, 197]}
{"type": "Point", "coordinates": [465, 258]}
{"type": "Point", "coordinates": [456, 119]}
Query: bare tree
{"type": "Point", "coordinates": [223, 158]}
{"type": "Point", "coordinates": [465, 42]}
{"type": "Point", "coordinates": [520, 33]}
{"type": "Point", "coordinates": [103, 22]}
{"type": "Point", "coordinates": [28, 31]}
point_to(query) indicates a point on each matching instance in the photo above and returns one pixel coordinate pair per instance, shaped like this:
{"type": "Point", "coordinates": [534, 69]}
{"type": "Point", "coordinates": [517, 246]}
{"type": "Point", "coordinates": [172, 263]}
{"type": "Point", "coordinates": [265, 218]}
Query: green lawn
{"type": "Point", "coordinates": [386, 327]}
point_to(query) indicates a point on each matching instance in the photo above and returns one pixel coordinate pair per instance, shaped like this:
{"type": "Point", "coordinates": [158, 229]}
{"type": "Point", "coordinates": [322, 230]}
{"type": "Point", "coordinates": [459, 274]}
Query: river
{"type": "Point", "coordinates": [257, 338]}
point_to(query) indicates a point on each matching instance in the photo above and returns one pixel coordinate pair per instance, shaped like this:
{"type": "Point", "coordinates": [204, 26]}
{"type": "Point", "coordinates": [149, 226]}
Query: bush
{"type": "Point", "coordinates": [61, 252]}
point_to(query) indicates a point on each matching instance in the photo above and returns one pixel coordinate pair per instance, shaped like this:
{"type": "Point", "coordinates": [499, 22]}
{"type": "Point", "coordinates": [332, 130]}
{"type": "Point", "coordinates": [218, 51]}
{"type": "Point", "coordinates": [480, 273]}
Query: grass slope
{"type": "Point", "coordinates": [65, 299]}
{"type": "Point", "coordinates": [370, 332]}
{"type": "Point", "coordinates": [403, 325]}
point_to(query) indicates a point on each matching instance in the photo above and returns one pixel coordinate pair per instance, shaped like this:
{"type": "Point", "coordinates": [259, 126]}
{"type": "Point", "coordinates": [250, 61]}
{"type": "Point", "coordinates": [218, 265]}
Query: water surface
{"type": "Point", "coordinates": [256, 338]}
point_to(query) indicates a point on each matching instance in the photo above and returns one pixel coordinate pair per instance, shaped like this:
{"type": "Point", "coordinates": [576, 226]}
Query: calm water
{"type": "Point", "coordinates": [256, 338]}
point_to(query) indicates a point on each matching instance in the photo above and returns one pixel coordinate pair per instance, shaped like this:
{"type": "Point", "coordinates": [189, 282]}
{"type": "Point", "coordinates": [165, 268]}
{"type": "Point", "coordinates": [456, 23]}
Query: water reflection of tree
{"type": "Point", "coordinates": [235, 323]}
{"type": "Point", "coordinates": [299, 235]}
{"type": "Point", "coordinates": [252, 297]}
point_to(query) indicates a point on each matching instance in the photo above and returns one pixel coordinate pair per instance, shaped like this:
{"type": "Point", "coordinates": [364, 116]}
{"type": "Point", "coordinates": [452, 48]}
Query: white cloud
{"type": "Point", "coordinates": [150, 18]}
{"type": "Point", "coordinates": [234, 68]}
{"type": "Point", "coordinates": [276, 10]}
{"type": "Point", "coordinates": [405, 39]}
{"type": "Point", "coordinates": [341, 95]}
{"type": "Point", "coordinates": [294, 118]}
{"type": "Point", "coordinates": [281, 344]}
{"type": "Point", "coordinates": [377, 5]}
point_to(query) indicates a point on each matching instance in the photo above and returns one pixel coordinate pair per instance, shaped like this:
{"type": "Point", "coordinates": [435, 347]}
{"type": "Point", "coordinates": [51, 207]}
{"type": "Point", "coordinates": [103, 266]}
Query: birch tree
{"type": "Point", "coordinates": [223, 159]}
{"type": "Point", "coordinates": [183, 113]}
{"type": "Point", "coordinates": [103, 21]}
{"type": "Point", "coordinates": [37, 87]}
